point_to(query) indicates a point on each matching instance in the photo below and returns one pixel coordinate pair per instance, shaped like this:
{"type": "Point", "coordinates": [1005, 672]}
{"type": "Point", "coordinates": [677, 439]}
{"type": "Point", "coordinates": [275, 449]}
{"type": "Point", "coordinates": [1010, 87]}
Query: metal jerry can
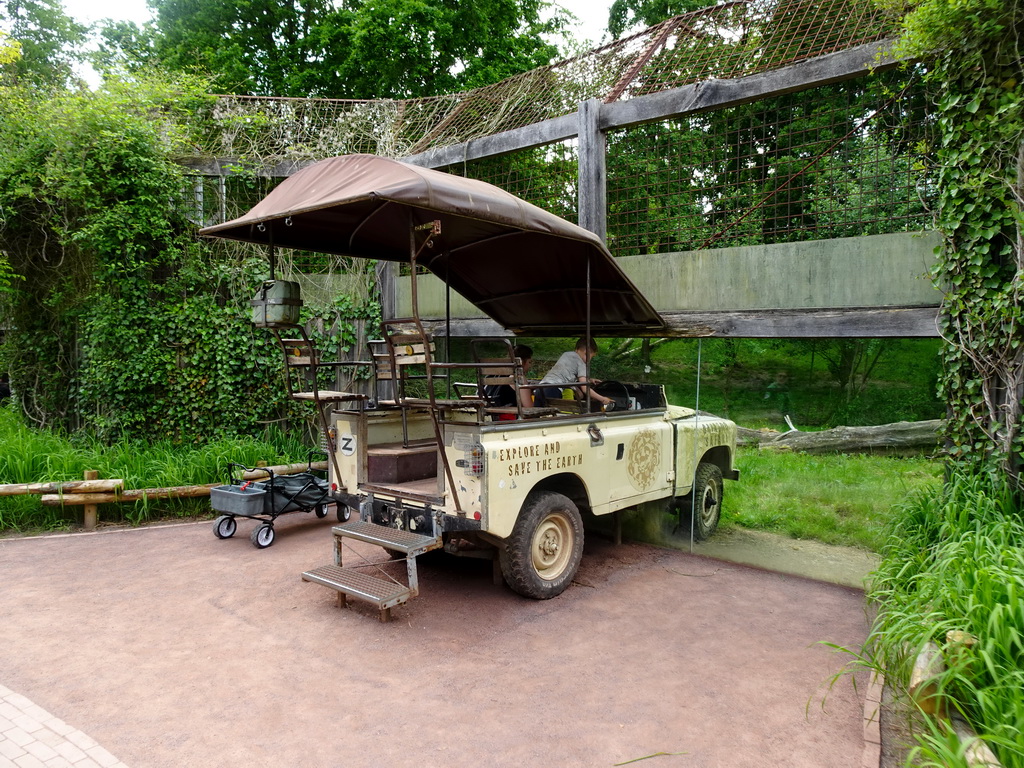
{"type": "Point", "coordinates": [276, 303]}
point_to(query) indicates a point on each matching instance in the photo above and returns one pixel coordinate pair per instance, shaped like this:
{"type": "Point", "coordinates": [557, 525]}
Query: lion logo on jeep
{"type": "Point", "coordinates": [643, 458]}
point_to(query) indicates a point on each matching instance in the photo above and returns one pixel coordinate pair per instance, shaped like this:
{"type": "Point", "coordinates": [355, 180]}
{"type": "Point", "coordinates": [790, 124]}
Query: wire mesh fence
{"type": "Point", "coordinates": [732, 39]}
{"type": "Point", "coordinates": [545, 176]}
{"type": "Point", "coordinates": [837, 161]}
{"type": "Point", "coordinates": [841, 160]}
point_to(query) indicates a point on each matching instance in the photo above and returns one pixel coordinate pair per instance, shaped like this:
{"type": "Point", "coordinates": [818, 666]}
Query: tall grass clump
{"type": "Point", "coordinates": [34, 456]}
{"type": "Point", "coordinates": [955, 561]}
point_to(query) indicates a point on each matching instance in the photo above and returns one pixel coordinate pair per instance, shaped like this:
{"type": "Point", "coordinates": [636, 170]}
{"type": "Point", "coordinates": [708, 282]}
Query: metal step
{"type": "Point", "coordinates": [411, 544]}
{"type": "Point", "coordinates": [381, 592]}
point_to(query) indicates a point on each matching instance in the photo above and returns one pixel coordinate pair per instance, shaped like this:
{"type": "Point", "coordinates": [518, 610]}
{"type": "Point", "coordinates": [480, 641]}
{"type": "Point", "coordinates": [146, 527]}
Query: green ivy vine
{"type": "Point", "coordinates": [119, 320]}
{"type": "Point", "coordinates": [980, 267]}
{"type": "Point", "coordinates": [975, 72]}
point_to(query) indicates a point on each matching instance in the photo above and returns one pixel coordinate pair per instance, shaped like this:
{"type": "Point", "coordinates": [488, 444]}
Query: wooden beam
{"type": "Point", "coordinates": [689, 99]}
{"type": "Point", "coordinates": [69, 486]}
{"type": "Point", "coordinates": [184, 491]}
{"type": "Point", "coordinates": [232, 166]}
{"type": "Point", "coordinates": [467, 327]}
{"type": "Point", "coordinates": [853, 323]}
{"type": "Point", "coordinates": [90, 500]}
{"type": "Point", "coordinates": [593, 173]}
{"type": "Point", "coordinates": [535, 135]}
{"type": "Point", "coordinates": [719, 94]}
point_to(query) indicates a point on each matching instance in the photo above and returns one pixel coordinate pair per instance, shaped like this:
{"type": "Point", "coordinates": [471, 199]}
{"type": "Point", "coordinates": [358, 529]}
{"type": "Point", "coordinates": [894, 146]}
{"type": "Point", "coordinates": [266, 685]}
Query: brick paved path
{"type": "Point", "coordinates": [30, 737]}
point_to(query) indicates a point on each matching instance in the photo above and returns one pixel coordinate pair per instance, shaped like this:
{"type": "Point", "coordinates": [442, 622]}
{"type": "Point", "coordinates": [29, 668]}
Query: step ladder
{"type": "Point", "coordinates": [350, 582]}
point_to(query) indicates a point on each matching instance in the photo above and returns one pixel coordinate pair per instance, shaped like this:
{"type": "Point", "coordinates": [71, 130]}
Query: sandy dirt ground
{"type": "Point", "coordinates": [173, 648]}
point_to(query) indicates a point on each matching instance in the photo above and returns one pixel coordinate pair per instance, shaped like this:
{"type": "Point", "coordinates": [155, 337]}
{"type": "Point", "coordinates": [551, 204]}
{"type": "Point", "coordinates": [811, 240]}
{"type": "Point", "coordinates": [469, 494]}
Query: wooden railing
{"type": "Point", "coordinates": [90, 492]}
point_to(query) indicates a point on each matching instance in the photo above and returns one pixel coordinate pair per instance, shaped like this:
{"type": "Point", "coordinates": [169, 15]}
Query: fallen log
{"type": "Point", "coordinates": [746, 436]}
{"type": "Point", "coordinates": [901, 438]}
{"type": "Point", "coordinates": [177, 492]}
{"type": "Point", "coordinates": [65, 486]}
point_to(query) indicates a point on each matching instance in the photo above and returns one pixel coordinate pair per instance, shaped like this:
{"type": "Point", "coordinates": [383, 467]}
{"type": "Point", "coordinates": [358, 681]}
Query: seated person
{"type": "Point", "coordinates": [503, 395]}
{"type": "Point", "coordinates": [571, 369]}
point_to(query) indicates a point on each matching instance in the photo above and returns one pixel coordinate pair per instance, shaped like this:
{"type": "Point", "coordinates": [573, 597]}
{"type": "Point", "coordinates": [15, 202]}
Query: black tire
{"type": "Point", "coordinates": [320, 511]}
{"type": "Point", "coordinates": [224, 527]}
{"type": "Point", "coordinates": [702, 509]}
{"type": "Point", "coordinates": [344, 513]}
{"type": "Point", "coordinates": [541, 557]}
{"type": "Point", "coordinates": [262, 536]}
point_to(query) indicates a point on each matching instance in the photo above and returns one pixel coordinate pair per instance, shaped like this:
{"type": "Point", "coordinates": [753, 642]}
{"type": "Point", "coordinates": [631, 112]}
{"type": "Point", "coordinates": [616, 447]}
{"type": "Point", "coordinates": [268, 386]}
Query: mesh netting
{"type": "Point", "coordinates": [545, 176]}
{"type": "Point", "coordinates": [725, 41]}
{"type": "Point", "coordinates": [837, 161]}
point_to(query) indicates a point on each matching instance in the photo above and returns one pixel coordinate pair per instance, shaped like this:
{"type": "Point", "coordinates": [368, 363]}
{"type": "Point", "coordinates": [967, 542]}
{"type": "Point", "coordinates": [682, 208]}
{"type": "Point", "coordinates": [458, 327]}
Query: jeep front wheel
{"type": "Point", "coordinates": [703, 507]}
{"type": "Point", "coordinates": [540, 558]}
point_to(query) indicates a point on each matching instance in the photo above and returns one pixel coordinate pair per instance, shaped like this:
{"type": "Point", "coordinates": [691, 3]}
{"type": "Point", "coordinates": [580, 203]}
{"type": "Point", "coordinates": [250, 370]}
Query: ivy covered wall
{"type": "Point", "coordinates": [118, 319]}
{"type": "Point", "coordinates": [975, 73]}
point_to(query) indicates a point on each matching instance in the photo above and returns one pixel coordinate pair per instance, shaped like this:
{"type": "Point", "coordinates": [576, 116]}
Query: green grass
{"type": "Point", "coordinates": [32, 456]}
{"type": "Point", "coordinates": [836, 499]}
{"type": "Point", "coordinates": [954, 561]}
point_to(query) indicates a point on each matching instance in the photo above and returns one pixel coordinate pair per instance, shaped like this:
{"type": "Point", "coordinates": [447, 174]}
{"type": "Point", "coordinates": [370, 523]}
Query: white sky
{"type": "Point", "coordinates": [88, 11]}
{"type": "Point", "coordinates": [593, 14]}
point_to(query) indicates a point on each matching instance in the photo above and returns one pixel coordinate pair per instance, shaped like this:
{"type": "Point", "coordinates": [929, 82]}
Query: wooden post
{"type": "Point", "coordinates": [89, 513]}
{"type": "Point", "coordinates": [387, 282]}
{"type": "Point", "coordinates": [593, 177]}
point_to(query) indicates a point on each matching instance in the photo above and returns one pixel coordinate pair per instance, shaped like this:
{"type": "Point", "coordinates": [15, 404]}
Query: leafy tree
{"type": "Point", "coordinates": [122, 322]}
{"type": "Point", "coordinates": [50, 41]}
{"type": "Point", "coordinates": [624, 15]}
{"type": "Point", "coordinates": [10, 50]}
{"type": "Point", "coordinates": [353, 49]}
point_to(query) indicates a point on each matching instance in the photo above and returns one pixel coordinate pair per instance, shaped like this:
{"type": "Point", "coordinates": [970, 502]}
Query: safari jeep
{"type": "Point", "coordinates": [425, 468]}
{"type": "Point", "coordinates": [519, 487]}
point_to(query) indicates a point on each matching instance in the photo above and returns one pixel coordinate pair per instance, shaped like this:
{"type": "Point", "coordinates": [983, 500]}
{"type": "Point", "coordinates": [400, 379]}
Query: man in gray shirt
{"type": "Point", "coordinates": [570, 370]}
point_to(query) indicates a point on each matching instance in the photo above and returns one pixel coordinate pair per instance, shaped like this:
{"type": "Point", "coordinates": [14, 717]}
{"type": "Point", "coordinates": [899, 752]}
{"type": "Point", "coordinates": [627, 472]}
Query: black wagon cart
{"type": "Point", "coordinates": [264, 500]}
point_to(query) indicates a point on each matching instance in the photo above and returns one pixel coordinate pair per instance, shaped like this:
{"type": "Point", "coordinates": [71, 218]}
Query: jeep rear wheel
{"type": "Point", "coordinates": [542, 555]}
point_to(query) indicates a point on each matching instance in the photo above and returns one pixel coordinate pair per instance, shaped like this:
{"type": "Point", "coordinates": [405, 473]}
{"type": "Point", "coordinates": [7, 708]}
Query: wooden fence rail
{"type": "Point", "coordinates": [68, 486]}
{"type": "Point", "coordinates": [91, 492]}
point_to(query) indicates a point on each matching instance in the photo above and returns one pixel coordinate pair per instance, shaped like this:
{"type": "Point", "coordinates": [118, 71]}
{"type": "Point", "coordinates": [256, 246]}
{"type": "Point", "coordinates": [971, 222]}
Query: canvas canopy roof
{"type": "Point", "coordinates": [524, 267]}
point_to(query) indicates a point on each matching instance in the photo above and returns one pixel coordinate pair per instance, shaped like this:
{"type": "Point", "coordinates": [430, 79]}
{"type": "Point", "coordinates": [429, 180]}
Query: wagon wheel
{"type": "Point", "coordinates": [224, 527]}
{"type": "Point", "coordinates": [263, 536]}
{"type": "Point", "coordinates": [320, 511]}
{"type": "Point", "coordinates": [344, 513]}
